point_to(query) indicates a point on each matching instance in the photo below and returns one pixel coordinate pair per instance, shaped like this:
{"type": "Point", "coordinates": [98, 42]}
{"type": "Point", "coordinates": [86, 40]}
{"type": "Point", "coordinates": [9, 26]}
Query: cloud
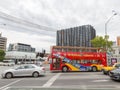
{"type": "Point", "coordinates": [60, 14]}
{"type": "Point", "coordinates": [34, 40]}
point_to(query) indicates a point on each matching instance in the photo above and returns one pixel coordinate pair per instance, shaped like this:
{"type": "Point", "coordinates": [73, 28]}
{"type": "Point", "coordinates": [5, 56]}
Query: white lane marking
{"type": "Point", "coordinates": [51, 81]}
{"type": "Point", "coordinates": [100, 80]}
{"type": "Point", "coordinates": [6, 88]}
{"type": "Point", "coordinates": [10, 84]}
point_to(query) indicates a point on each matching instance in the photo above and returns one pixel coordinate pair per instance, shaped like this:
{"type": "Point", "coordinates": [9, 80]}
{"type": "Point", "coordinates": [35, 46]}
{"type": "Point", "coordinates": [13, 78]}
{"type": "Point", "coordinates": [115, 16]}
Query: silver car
{"type": "Point", "coordinates": [24, 70]}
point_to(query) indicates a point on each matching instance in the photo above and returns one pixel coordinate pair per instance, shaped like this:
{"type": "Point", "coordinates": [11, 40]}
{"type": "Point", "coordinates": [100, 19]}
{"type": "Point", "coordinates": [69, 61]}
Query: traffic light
{"type": "Point", "coordinates": [41, 55]}
{"type": "Point", "coordinates": [44, 51]}
{"type": "Point", "coordinates": [37, 54]}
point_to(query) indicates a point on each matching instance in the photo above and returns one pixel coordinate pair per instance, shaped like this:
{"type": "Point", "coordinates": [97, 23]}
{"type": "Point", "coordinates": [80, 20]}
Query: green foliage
{"type": "Point", "coordinates": [2, 55]}
{"type": "Point", "coordinates": [102, 42]}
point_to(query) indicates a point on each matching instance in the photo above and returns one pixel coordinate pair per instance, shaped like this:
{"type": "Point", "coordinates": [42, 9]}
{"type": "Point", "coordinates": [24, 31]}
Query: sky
{"type": "Point", "coordinates": [48, 16]}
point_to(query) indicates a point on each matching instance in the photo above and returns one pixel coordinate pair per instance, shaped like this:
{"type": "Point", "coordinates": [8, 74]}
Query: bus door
{"type": "Point", "coordinates": [56, 63]}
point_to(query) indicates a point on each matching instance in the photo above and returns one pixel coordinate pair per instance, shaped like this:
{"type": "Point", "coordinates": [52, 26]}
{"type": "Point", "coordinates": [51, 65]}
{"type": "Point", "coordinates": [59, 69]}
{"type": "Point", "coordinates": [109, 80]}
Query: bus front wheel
{"type": "Point", "coordinates": [94, 68]}
{"type": "Point", "coordinates": [64, 69]}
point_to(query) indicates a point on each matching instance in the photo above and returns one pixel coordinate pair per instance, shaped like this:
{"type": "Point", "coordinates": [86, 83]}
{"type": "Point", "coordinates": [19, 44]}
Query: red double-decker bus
{"type": "Point", "coordinates": [67, 58]}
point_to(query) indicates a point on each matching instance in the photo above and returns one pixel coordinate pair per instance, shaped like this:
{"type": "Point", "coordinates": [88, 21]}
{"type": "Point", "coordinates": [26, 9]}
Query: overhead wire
{"type": "Point", "coordinates": [24, 29]}
{"type": "Point", "coordinates": [25, 22]}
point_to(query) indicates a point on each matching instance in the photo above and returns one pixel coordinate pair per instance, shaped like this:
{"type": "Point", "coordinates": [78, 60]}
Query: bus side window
{"type": "Point", "coordinates": [89, 62]}
{"type": "Point", "coordinates": [99, 62]}
{"type": "Point", "coordinates": [54, 60]}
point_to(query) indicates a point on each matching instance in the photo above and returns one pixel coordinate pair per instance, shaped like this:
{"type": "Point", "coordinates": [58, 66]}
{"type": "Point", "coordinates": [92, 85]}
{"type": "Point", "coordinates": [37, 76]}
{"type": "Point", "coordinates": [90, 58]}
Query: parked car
{"type": "Point", "coordinates": [24, 70]}
{"type": "Point", "coordinates": [7, 63]}
{"type": "Point", "coordinates": [107, 69]}
{"type": "Point", "coordinates": [115, 74]}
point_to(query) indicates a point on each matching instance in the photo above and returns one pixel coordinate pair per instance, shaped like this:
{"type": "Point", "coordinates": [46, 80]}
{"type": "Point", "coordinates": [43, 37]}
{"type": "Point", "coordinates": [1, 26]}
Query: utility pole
{"type": "Point", "coordinates": [106, 35]}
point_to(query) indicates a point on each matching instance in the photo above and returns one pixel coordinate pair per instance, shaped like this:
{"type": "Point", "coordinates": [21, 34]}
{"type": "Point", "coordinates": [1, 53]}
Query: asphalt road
{"type": "Point", "coordinates": [60, 81]}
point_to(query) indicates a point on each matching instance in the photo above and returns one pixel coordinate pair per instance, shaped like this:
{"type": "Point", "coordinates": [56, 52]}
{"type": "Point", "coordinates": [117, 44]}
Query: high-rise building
{"type": "Point", "coordinates": [21, 47]}
{"type": "Point", "coordinates": [114, 43]}
{"type": "Point", "coordinates": [3, 42]}
{"type": "Point", "coordinates": [76, 36]}
{"type": "Point", "coordinates": [118, 41]}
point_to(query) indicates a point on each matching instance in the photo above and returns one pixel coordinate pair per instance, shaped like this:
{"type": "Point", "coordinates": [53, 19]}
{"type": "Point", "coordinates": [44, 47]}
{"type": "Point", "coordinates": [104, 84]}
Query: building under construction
{"type": "Point", "coordinates": [77, 36]}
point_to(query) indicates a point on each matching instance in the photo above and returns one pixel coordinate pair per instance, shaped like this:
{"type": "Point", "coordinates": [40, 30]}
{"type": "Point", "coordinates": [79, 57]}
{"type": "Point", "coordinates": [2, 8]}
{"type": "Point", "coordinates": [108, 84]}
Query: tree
{"type": "Point", "coordinates": [2, 55]}
{"type": "Point", "coordinates": [102, 42]}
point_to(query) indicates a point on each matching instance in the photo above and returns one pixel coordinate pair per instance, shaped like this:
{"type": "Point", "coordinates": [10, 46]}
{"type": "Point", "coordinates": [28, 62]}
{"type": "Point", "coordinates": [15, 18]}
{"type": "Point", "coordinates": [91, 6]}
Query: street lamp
{"type": "Point", "coordinates": [114, 13]}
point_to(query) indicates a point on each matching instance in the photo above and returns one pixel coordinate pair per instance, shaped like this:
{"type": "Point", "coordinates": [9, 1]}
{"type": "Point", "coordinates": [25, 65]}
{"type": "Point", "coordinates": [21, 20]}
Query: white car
{"type": "Point", "coordinates": [7, 63]}
{"type": "Point", "coordinates": [24, 70]}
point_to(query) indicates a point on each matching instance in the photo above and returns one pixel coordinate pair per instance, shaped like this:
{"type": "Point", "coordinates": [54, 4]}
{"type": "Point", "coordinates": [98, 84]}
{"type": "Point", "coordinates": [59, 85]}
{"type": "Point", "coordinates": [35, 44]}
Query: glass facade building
{"type": "Point", "coordinates": [76, 36]}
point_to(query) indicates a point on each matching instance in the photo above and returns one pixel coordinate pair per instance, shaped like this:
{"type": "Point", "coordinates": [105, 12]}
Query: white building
{"type": "Point", "coordinates": [20, 56]}
{"type": "Point", "coordinates": [21, 47]}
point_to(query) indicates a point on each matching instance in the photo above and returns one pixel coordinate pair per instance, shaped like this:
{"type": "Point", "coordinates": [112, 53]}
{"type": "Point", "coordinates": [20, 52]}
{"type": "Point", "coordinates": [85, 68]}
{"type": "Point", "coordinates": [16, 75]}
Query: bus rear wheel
{"type": "Point", "coordinates": [64, 69]}
{"type": "Point", "coordinates": [94, 69]}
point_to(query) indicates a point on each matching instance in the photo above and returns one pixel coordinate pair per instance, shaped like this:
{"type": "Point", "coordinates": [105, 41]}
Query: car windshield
{"type": "Point", "coordinates": [59, 44]}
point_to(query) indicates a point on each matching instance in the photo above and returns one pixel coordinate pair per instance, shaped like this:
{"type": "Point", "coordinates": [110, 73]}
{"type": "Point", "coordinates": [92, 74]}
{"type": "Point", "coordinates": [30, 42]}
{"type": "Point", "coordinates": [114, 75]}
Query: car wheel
{"type": "Point", "coordinates": [103, 71]}
{"type": "Point", "coordinates": [94, 68]}
{"type": "Point", "coordinates": [9, 75]}
{"type": "Point", "coordinates": [35, 74]}
{"type": "Point", "coordinates": [108, 73]}
{"type": "Point", "coordinates": [64, 69]}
